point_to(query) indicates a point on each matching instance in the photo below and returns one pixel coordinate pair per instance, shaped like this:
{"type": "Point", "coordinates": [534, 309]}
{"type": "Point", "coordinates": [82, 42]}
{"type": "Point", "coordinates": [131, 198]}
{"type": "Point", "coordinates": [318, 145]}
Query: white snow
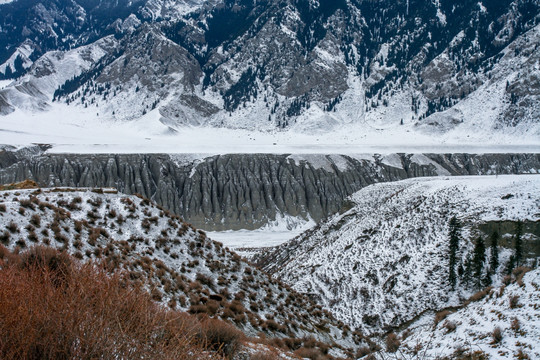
{"type": "Point", "coordinates": [440, 15]}
{"type": "Point", "coordinates": [392, 160]}
{"type": "Point", "coordinates": [23, 51]}
{"type": "Point", "coordinates": [81, 130]}
{"type": "Point", "coordinates": [283, 229]}
{"type": "Point", "coordinates": [5, 83]}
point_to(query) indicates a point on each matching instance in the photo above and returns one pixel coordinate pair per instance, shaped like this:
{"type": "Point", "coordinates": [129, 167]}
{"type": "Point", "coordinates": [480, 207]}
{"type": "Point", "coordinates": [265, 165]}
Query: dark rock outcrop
{"type": "Point", "coordinates": [246, 191]}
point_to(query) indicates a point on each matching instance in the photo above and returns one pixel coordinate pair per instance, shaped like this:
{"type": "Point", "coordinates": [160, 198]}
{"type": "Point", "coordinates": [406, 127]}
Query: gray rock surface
{"type": "Point", "coordinates": [245, 191]}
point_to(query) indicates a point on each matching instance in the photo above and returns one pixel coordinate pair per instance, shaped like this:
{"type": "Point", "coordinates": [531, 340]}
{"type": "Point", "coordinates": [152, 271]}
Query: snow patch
{"type": "Point", "coordinates": [392, 160]}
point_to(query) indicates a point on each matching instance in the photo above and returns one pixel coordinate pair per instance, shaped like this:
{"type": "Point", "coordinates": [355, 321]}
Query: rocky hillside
{"type": "Point", "coordinates": [386, 260]}
{"type": "Point", "coordinates": [246, 191]}
{"type": "Point", "coordinates": [178, 264]}
{"type": "Point", "coordinates": [432, 66]}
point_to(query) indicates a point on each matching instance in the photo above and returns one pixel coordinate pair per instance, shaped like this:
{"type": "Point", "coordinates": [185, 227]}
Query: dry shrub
{"type": "Point", "coordinates": [501, 291]}
{"type": "Point", "coordinates": [264, 356]}
{"type": "Point", "coordinates": [12, 227]}
{"type": "Point", "coordinates": [5, 237]}
{"type": "Point", "coordinates": [519, 272]}
{"type": "Point", "coordinates": [479, 295]}
{"type": "Point", "coordinates": [467, 354]}
{"type": "Point", "coordinates": [35, 220]}
{"type": "Point", "coordinates": [521, 355]}
{"type": "Point", "coordinates": [309, 353]}
{"type": "Point", "coordinates": [513, 301]}
{"type": "Point", "coordinates": [26, 184]}
{"type": "Point", "coordinates": [497, 335]}
{"type": "Point", "coordinates": [20, 243]}
{"type": "Point", "coordinates": [32, 236]}
{"type": "Point", "coordinates": [220, 337]}
{"type": "Point", "coordinates": [26, 203]}
{"type": "Point", "coordinates": [392, 343]}
{"type": "Point", "coordinates": [74, 311]}
{"type": "Point", "coordinates": [363, 351]}
{"type": "Point", "coordinates": [441, 315]}
{"type": "Point", "coordinates": [515, 325]}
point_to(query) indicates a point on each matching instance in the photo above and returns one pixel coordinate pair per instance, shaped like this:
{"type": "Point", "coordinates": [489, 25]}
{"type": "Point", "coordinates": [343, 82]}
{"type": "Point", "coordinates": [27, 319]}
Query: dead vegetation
{"type": "Point", "coordinates": [26, 184]}
{"type": "Point", "coordinates": [73, 311]}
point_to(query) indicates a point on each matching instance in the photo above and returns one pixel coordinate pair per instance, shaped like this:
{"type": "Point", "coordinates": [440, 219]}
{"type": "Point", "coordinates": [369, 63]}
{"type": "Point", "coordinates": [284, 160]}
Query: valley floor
{"type": "Point", "coordinates": [84, 131]}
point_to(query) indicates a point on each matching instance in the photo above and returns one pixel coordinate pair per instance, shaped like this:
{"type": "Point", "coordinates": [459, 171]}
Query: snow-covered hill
{"type": "Point", "coordinates": [179, 265]}
{"type": "Point", "coordinates": [501, 323]}
{"type": "Point", "coordinates": [385, 260]}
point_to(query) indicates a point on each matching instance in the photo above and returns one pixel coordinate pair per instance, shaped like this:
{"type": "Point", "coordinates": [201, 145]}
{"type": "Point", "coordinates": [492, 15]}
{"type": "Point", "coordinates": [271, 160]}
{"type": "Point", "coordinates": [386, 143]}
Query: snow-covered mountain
{"type": "Point", "coordinates": [386, 260]}
{"type": "Point", "coordinates": [179, 265]}
{"type": "Point", "coordinates": [434, 67]}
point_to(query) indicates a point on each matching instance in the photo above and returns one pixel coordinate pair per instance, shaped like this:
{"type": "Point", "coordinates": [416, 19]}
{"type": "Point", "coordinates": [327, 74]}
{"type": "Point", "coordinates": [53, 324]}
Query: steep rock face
{"type": "Point", "coordinates": [246, 191]}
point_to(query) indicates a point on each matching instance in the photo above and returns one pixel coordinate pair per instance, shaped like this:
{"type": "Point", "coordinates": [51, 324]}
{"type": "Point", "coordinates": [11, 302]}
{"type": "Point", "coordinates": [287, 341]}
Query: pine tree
{"type": "Point", "coordinates": [467, 271]}
{"type": "Point", "coordinates": [494, 259]}
{"type": "Point", "coordinates": [494, 247]}
{"type": "Point", "coordinates": [515, 260]}
{"type": "Point", "coordinates": [454, 233]}
{"type": "Point", "coordinates": [479, 256]}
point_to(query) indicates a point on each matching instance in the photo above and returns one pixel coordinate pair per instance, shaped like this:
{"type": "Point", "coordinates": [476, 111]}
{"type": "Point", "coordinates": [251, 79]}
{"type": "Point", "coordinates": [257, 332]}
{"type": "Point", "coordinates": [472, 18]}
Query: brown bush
{"type": "Point", "coordinates": [264, 356]}
{"type": "Point", "coordinates": [309, 353]}
{"type": "Point", "coordinates": [220, 336]}
{"type": "Point", "coordinates": [515, 325]}
{"type": "Point", "coordinates": [363, 351]}
{"type": "Point", "coordinates": [20, 243]}
{"type": "Point", "coordinates": [89, 314]}
{"type": "Point", "coordinates": [3, 208]}
{"type": "Point", "coordinates": [519, 272]}
{"type": "Point", "coordinates": [26, 203]}
{"type": "Point", "coordinates": [12, 227]}
{"type": "Point", "coordinates": [497, 335]}
{"type": "Point", "coordinates": [35, 220]}
{"type": "Point", "coordinates": [521, 355]}
{"type": "Point", "coordinates": [441, 315]}
{"type": "Point", "coordinates": [26, 184]}
{"type": "Point", "coordinates": [32, 236]}
{"type": "Point", "coordinates": [392, 342]}
{"type": "Point", "coordinates": [5, 237]}
{"type": "Point", "coordinates": [513, 301]}
{"type": "Point", "coordinates": [479, 295]}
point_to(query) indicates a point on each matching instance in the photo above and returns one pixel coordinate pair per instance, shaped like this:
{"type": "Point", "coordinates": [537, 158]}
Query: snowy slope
{"type": "Point", "coordinates": [471, 329]}
{"type": "Point", "coordinates": [34, 92]}
{"type": "Point", "coordinates": [385, 260]}
{"type": "Point", "coordinates": [179, 265]}
{"type": "Point", "coordinates": [167, 9]}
